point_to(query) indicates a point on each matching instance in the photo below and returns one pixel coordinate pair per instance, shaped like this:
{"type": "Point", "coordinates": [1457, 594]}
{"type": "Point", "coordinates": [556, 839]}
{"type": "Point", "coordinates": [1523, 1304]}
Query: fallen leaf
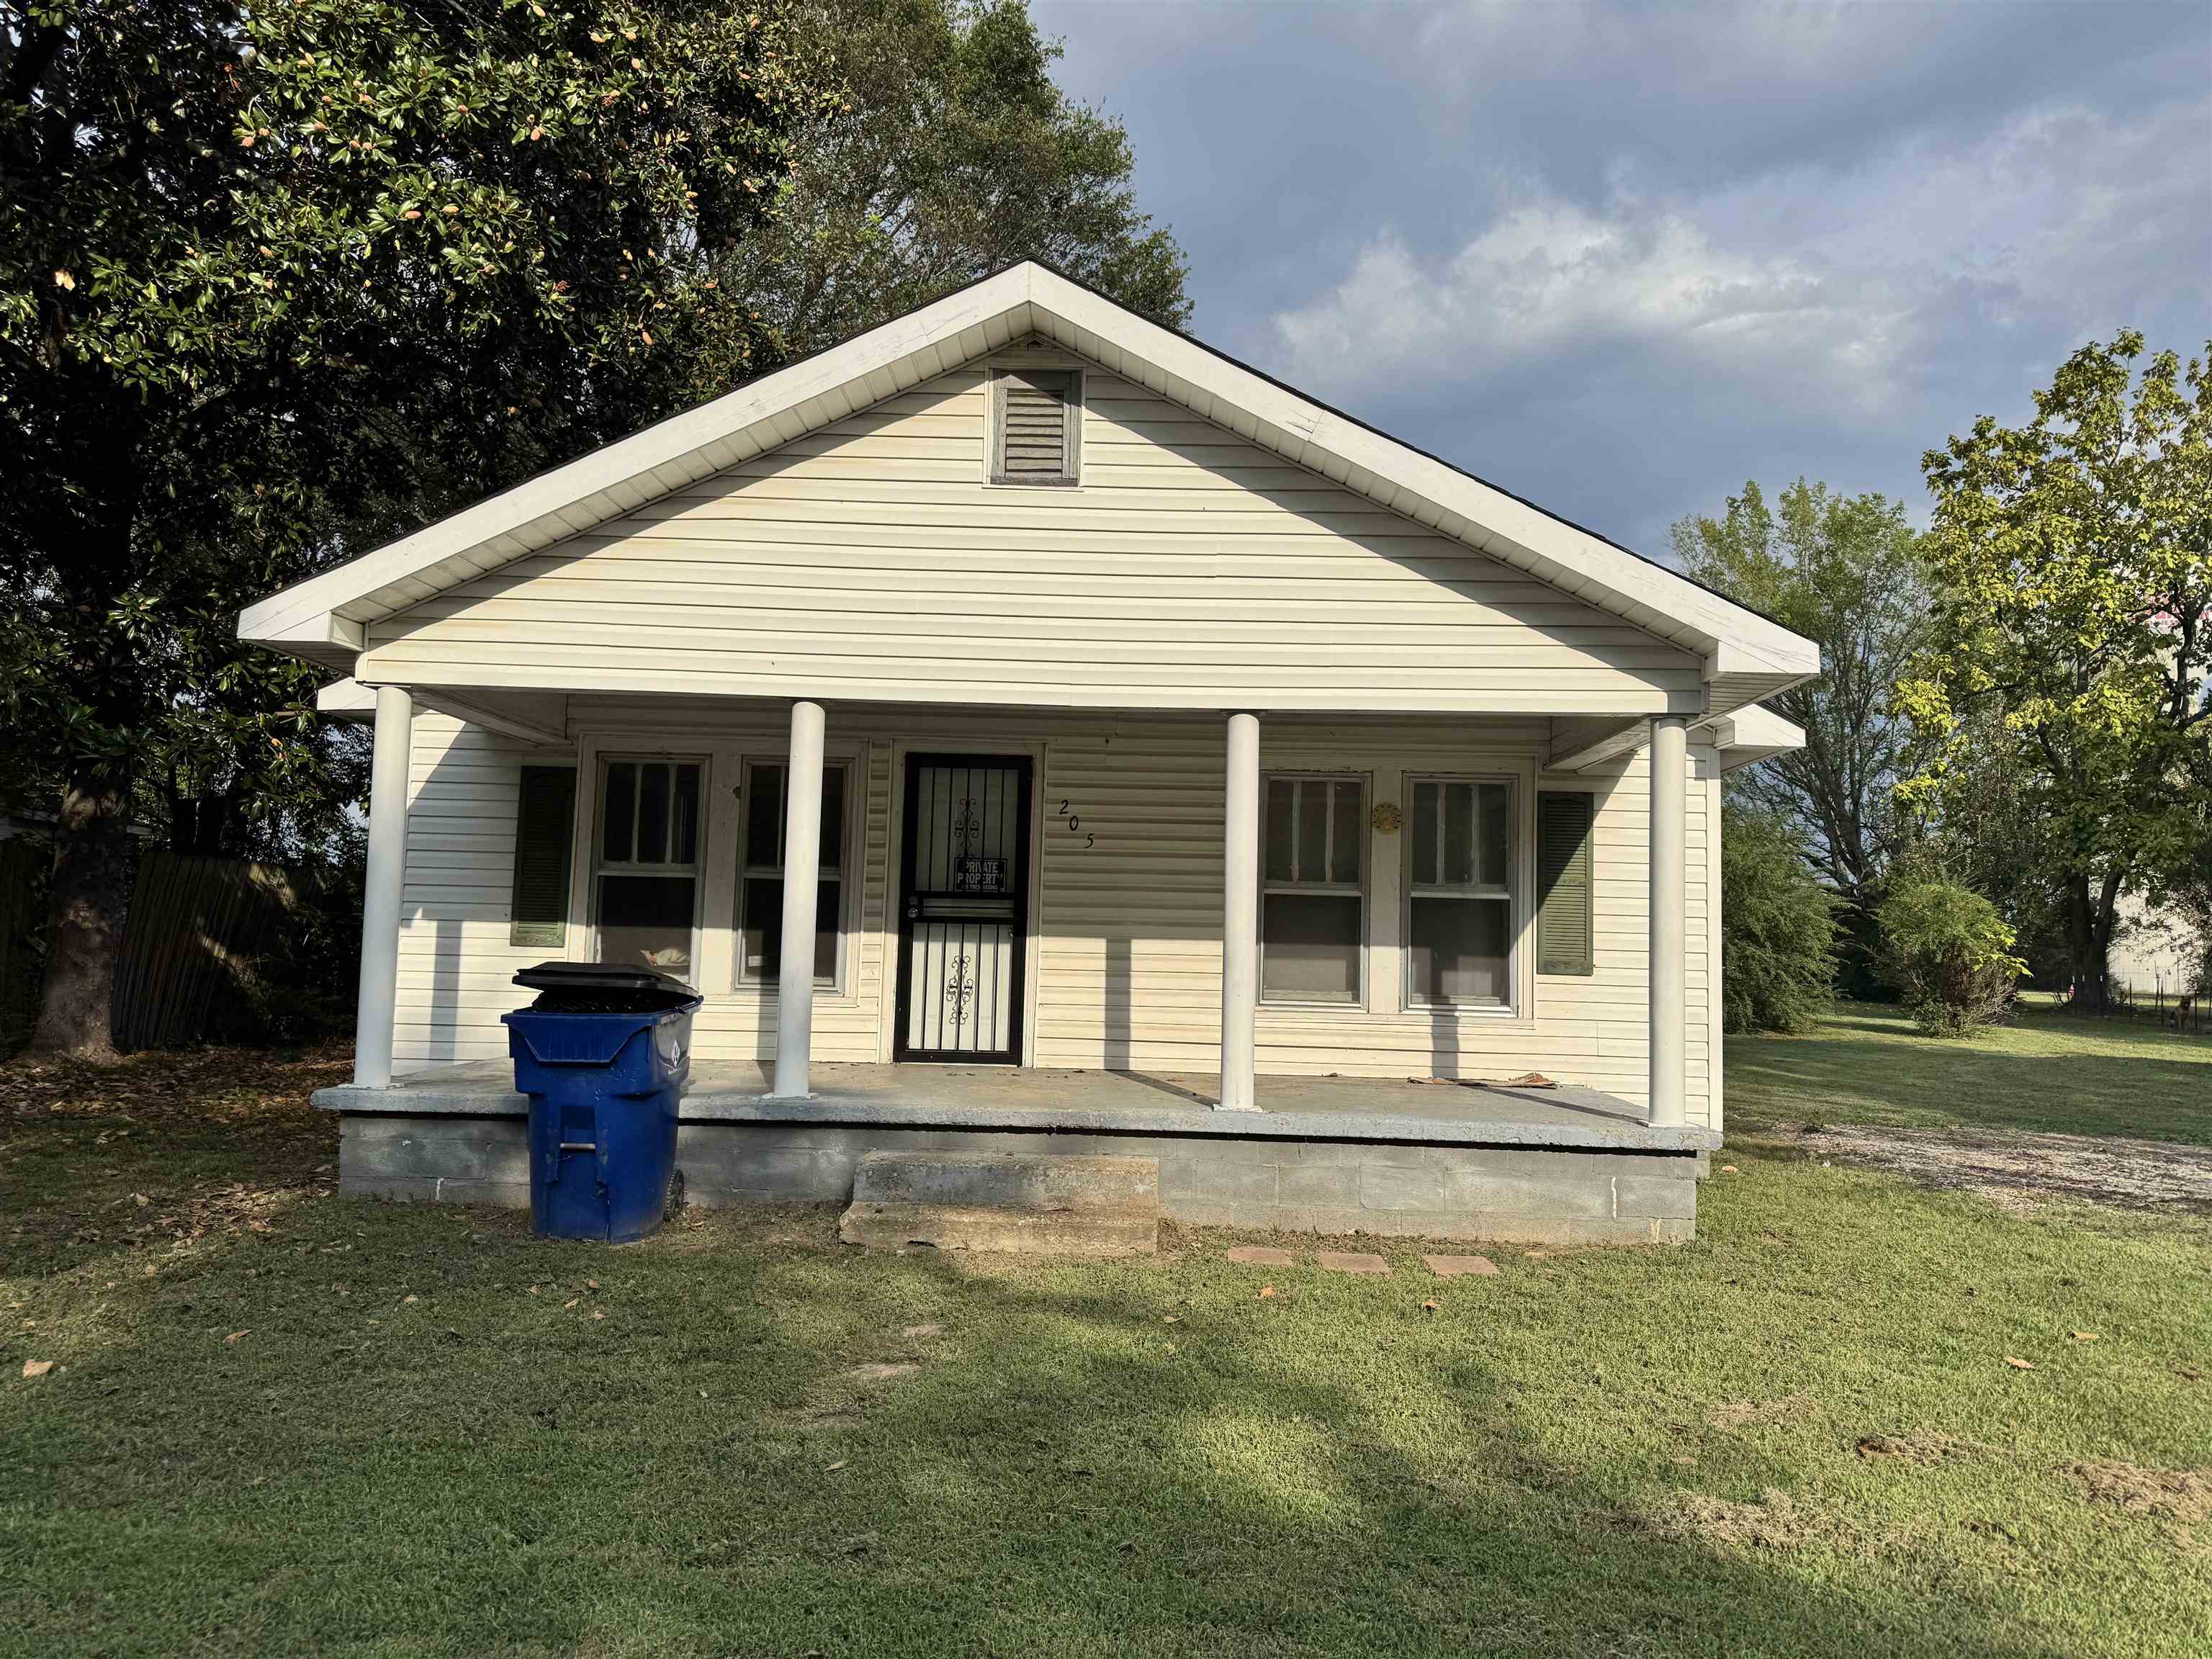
{"type": "Point", "coordinates": [1729, 1169]}
{"type": "Point", "coordinates": [835, 1466]}
{"type": "Point", "coordinates": [570, 1302]}
{"type": "Point", "coordinates": [2085, 1336]}
{"type": "Point", "coordinates": [1267, 1289]}
{"type": "Point", "coordinates": [234, 1335]}
{"type": "Point", "coordinates": [591, 1284]}
{"type": "Point", "coordinates": [703, 1394]}
{"type": "Point", "coordinates": [1169, 1319]}
{"type": "Point", "coordinates": [410, 1299]}
{"type": "Point", "coordinates": [598, 1313]}
{"type": "Point", "coordinates": [1429, 1306]}
{"type": "Point", "coordinates": [2019, 1364]}
{"type": "Point", "coordinates": [37, 1367]}
{"type": "Point", "coordinates": [139, 1199]}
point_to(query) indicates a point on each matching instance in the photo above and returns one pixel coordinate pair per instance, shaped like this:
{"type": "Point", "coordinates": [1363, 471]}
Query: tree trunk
{"type": "Point", "coordinates": [90, 898]}
{"type": "Point", "coordinates": [2089, 919]}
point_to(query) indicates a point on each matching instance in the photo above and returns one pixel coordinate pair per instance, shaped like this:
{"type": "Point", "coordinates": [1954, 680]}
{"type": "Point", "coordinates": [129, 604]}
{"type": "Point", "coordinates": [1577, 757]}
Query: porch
{"type": "Point", "coordinates": [1403, 1158]}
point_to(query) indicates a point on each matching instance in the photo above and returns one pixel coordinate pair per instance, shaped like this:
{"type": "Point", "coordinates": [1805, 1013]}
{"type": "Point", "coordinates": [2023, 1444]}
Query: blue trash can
{"type": "Point", "coordinates": [602, 1054]}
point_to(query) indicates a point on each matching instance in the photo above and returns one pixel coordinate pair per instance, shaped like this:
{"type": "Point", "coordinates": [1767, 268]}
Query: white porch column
{"type": "Point", "coordinates": [1240, 913]}
{"type": "Point", "coordinates": [1669, 917]}
{"type": "Point", "coordinates": [381, 891]}
{"type": "Point", "coordinates": [802, 873]}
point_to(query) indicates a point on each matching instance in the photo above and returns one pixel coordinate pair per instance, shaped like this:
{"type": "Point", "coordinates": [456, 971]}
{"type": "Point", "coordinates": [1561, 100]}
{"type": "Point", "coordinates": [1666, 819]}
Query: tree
{"type": "Point", "coordinates": [1950, 954]}
{"type": "Point", "coordinates": [2071, 644]}
{"type": "Point", "coordinates": [1778, 923]}
{"type": "Point", "coordinates": [275, 281]}
{"type": "Point", "coordinates": [1846, 572]}
{"type": "Point", "coordinates": [950, 155]}
{"type": "Point", "coordinates": [277, 285]}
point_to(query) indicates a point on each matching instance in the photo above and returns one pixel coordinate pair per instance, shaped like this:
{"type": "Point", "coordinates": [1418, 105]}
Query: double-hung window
{"type": "Point", "coordinates": [1459, 887]}
{"type": "Point", "coordinates": [760, 883]}
{"type": "Point", "coordinates": [1314, 890]}
{"type": "Point", "coordinates": [645, 868]}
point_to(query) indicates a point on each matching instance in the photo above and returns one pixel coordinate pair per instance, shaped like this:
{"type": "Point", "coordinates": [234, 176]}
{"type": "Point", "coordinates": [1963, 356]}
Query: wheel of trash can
{"type": "Point", "coordinates": [675, 1196]}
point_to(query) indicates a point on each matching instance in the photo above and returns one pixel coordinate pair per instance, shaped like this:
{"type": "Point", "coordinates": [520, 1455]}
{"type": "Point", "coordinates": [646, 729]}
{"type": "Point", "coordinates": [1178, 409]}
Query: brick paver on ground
{"type": "Point", "coordinates": [1451, 1267]}
{"type": "Point", "coordinates": [1273, 1258]}
{"type": "Point", "coordinates": [1351, 1261]}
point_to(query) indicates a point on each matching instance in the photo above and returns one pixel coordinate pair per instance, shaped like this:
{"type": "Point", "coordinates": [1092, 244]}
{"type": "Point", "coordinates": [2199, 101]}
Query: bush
{"type": "Point", "coordinates": [1777, 926]}
{"type": "Point", "coordinates": [1950, 954]}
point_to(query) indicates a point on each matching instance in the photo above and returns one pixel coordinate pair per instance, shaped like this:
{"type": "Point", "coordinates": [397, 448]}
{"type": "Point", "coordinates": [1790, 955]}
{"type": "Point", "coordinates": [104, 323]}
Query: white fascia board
{"type": "Point", "coordinates": [1752, 734]}
{"type": "Point", "coordinates": [347, 700]}
{"type": "Point", "coordinates": [673, 447]}
{"type": "Point", "coordinates": [1024, 299]}
{"type": "Point", "coordinates": [1742, 736]}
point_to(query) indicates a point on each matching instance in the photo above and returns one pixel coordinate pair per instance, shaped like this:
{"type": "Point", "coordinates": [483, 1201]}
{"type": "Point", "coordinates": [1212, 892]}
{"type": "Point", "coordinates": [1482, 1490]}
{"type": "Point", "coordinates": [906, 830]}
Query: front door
{"type": "Point", "coordinates": [963, 911]}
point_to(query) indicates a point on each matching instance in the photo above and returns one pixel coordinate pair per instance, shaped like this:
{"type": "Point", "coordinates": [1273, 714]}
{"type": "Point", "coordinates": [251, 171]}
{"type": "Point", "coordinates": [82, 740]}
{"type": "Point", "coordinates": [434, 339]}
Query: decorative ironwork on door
{"type": "Point", "coordinates": [963, 920]}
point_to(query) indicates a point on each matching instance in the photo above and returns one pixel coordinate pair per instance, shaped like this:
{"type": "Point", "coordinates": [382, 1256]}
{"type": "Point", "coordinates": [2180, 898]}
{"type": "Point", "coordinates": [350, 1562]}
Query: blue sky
{"type": "Point", "coordinates": [1618, 259]}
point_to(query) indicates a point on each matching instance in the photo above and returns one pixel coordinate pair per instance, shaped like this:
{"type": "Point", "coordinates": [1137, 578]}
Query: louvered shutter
{"type": "Point", "coordinates": [1564, 924]}
{"type": "Point", "coordinates": [545, 830]}
{"type": "Point", "coordinates": [1036, 440]}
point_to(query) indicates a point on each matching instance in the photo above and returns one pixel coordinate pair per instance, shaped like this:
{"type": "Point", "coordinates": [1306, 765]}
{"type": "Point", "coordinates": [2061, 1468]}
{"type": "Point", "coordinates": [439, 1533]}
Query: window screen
{"type": "Point", "coordinates": [1459, 923]}
{"type": "Point", "coordinates": [1313, 890]}
{"type": "Point", "coordinates": [645, 879]}
{"type": "Point", "coordinates": [760, 884]}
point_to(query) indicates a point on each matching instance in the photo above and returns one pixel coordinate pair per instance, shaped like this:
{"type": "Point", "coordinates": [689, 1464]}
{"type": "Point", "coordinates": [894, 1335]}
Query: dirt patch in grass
{"type": "Point", "coordinates": [2181, 1496]}
{"type": "Point", "coordinates": [1774, 1522]}
{"type": "Point", "coordinates": [1745, 1414]}
{"type": "Point", "coordinates": [2018, 1168]}
{"type": "Point", "coordinates": [1914, 1448]}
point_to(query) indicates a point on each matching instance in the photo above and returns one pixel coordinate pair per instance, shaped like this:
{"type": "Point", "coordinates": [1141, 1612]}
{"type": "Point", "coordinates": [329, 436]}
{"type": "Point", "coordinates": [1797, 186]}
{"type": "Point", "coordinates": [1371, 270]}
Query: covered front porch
{"type": "Point", "coordinates": [1407, 1158]}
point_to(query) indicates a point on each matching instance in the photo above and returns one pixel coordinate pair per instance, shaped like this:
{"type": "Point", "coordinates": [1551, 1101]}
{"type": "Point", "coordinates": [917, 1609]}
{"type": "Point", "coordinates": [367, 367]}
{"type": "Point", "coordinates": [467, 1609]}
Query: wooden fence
{"type": "Point", "coordinates": [197, 927]}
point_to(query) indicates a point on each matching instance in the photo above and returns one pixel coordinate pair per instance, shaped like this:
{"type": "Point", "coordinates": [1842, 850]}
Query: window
{"type": "Point", "coordinates": [646, 876]}
{"type": "Point", "coordinates": [1037, 426]}
{"type": "Point", "coordinates": [760, 884]}
{"type": "Point", "coordinates": [1313, 890]}
{"type": "Point", "coordinates": [1459, 931]}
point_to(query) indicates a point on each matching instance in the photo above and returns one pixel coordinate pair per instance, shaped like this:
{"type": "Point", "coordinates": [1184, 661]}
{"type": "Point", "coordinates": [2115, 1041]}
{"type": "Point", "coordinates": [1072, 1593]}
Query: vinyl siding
{"type": "Point", "coordinates": [1189, 569]}
{"type": "Point", "coordinates": [1125, 955]}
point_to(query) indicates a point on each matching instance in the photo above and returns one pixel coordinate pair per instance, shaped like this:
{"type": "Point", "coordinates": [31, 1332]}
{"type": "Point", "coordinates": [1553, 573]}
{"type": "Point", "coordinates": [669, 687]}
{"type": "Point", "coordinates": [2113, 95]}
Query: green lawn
{"type": "Point", "coordinates": [2048, 1071]}
{"type": "Point", "coordinates": [377, 1429]}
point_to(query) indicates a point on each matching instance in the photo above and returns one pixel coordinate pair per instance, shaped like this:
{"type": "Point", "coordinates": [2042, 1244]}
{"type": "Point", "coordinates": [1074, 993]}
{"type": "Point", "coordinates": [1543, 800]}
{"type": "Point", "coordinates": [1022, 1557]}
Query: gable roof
{"type": "Point", "coordinates": [1745, 656]}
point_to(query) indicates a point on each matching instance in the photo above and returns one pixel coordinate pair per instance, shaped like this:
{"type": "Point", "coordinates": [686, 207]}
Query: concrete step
{"type": "Point", "coordinates": [1039, 1205]}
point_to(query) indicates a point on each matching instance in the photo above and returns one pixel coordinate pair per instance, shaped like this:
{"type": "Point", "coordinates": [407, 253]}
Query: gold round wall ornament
{"type": "Point", "coordinates": [1386, 818]}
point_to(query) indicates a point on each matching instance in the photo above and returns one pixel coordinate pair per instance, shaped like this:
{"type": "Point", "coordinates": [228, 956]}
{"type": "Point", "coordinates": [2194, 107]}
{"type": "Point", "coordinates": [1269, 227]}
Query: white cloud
{"type": "Point", "coordinates": [1830, 295]}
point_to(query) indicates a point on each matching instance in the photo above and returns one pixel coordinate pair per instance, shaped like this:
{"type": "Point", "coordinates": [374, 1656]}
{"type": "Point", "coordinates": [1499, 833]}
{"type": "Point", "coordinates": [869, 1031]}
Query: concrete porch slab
{"type": "Point", "coordinates": [986, 1098]}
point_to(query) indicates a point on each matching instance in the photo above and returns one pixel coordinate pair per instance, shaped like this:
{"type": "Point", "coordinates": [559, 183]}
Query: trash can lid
{"type": "Point", "coordinates": [599, 976]}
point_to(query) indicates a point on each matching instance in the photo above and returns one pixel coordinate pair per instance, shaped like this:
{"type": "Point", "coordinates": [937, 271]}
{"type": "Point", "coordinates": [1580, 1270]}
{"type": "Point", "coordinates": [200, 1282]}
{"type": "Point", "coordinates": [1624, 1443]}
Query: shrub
{"type": "Point", "coordinates": [1950, 954]}
{"type": "Point", "coordinates": [1777, 926]}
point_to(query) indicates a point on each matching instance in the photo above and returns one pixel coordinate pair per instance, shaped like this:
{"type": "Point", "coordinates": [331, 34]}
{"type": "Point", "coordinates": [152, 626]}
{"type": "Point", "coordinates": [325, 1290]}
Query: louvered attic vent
{"type": "Point", "coordinates": [1035, 426]}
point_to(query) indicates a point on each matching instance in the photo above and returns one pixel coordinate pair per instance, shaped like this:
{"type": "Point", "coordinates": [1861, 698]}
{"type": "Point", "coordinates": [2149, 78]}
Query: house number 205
{"type": "Point", "coordinates": [1075, 825]}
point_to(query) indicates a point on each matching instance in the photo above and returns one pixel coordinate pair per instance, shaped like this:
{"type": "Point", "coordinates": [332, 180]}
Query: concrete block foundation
{"type": "Point", "coordinates": [1522, 1194]}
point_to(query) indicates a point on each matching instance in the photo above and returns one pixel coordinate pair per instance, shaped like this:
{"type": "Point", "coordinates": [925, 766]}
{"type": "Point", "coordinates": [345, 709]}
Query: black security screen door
{"type": "Point", "coordinates": [964, 910]}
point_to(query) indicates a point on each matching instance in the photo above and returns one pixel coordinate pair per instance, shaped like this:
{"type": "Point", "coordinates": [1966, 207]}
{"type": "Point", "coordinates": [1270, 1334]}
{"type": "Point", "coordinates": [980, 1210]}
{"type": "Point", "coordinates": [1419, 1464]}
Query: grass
{"type": "Point", "coordinates": [2048, 1071]}
{"type": "Point", "coordinates": [358, 1428]}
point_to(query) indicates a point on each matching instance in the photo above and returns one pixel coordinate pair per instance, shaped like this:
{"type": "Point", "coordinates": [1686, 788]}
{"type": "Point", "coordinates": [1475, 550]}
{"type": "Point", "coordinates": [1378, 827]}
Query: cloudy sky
{"type": "Point", "coordinates": [1619, 257]}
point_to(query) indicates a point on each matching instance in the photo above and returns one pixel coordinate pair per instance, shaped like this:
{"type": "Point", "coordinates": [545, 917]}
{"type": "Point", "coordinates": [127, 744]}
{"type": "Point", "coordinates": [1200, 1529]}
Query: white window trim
{"type": "Point", "coordinates": [847, 881]}
{"type": "Point", "coordinates": [597, 868]}
{"type": "Point", "coordinates": [1268, 778]}
{"type": "Point", "coordinates": [1519, 845]}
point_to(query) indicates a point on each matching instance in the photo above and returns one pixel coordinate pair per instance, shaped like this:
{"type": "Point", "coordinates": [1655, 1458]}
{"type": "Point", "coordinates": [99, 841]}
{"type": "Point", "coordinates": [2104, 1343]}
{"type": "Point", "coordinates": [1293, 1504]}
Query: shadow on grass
{"type": "Point", "coordinates": [424, 1441]}
{"type": "Point", "coordinates": [2047, 1073]}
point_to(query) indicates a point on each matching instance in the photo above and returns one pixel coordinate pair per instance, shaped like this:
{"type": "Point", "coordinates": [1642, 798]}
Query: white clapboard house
{"type": "Point", "coordinates": [1033, 732]}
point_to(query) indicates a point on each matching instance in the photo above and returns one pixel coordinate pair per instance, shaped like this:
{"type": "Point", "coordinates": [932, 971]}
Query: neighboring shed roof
{"type": "Point", "coordinates": [1746, 656]}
